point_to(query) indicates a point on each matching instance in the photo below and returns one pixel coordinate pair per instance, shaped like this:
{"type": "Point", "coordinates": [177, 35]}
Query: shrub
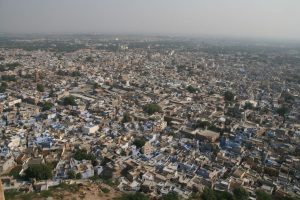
{"type": "Point", "coordinates": [39, 172]}
{"type": "Point", "coordinates": [152, 108]}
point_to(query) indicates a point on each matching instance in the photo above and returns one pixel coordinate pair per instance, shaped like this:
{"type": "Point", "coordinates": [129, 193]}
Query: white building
{"type": "Point", "coordinates": [90, 129]}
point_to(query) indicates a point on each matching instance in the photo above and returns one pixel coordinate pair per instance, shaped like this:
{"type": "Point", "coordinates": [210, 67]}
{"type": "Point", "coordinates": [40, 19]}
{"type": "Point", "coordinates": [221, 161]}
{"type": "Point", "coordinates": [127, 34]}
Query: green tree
{"type": "Point", "coordinates": [282, 111]}
{"type": "Point", "coordinates": [71, 174]}
{"type": "Point", "coordinates": [240, 193]}
{"type": "Point", "coordinates": [170, 196]}
{"type": "Point", "coordinates": [208, 194]}
{"type": "Point", "coordinates": [202, 124]}
{"type": "Point", "coordinates": [70, 100]}
{"type": "Point", "coordinates": [107, 173]}
{"type": "Point", "coordinates": [228, 96]}
{"type": "Point", "coordinates": [96, 86]}
{"type": "Point", "coordinates": [271, 171]}
{"type": "Point", "coordinates": [39, 172]}
{"type": "Point", "coordinates": [248, 106]}
{"type": "Point", "coordinates": [40, 87]}
{"type": "Point", "coordinates": [4, 84]}
{"type": "Point", "coordinates": [132, 196]}
{"type": "Point", "coordinates": [75, 73]}
{"type": "Point", "coordinates": [89, 59]}
{"type": "Point", "coordinates": [224, 195]}
{"type": "Point", "coordinates": [191, 89]}
{"type": "Point", "coordinates": [152, 108]}
{"type": "Point", "coordinates": [288, 97]}
{"type": "Point", "coordinates": [51, 93]}
{"type": "Point", "coordinates": [262, 195]}
{"type": "Point", "coordinates": [139, 143]}
{"type": "Point", "coordinates": [195, 196]}
{"type": "Point", "coordinates": [3, 87]}
{"type": "Point", "coordinates": [47, 106]}
{"type": "Point", "coordinates": [9, 66]}
{"type": "Point", "coordinates": [11, 78]}
{"type": "Point", "coordinates": [78, 176]}
{"type": "Point", "coordinates": [126, 117]}
{"type": "Point", "coordinates": [81, 154]}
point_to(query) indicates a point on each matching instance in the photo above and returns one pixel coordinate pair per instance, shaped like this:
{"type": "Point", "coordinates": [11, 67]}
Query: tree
{"type": "Point", "coordinates": [70, 100]}
{"type": "Point", "coordinates": [262, 195]}
{"type": "Point", "coordinates": [228, 96]}
{"type": "Point", "coordinates": [202, 124]}
{"type": "Point", "coordinates": [195, 196]}
{"type": "Point", "coordinates": [287, 198]}
{"type": "Point", "coordinates": [282, 111]}
{"type": "Point", "coordinates": [62, 73]}
{"type": "Point", "coordinates": [107, 173]}
{"type": "Point", "coordinates": [125, 171]}
{"type": "Point", "coordinates": [4, 84]}
{"type": "Point", "coordinates": [81, 154]}
{"type": "Point", "coordinates": [224, 195]}
{"type": "Point", "coordinates": [3, 87]}
{"type": "Point", "coordinates": [71, 174]}
{"type": "Point", "coordinates": [75, 73]}
{"type": "Point", "coordinates": [40, 87]}
{"type": "Point", "coordinates": [96, 86]}
{"type": "Point", "coordinates": [51, 93]}
{"type": "Point", "coordinates": [47, 106]}
{"type": "Point", "coordinates": [208, 194]}
{"type": "Point", "coordinates": [39, 172]}
{"type": "Point", "coordinates": [288, 98]}
{"type": "Point", "coordinates": [133, 196]}
{"type": "Point", "coordinates": [9, 66]}
{"type": "Point", "coordinates": [234, 112]}
{"type": "Point", "coordinates": [78, 176]}
{"type": "Point", "coordinates": [89, 59]}
{"type": "Point", "coordinates": [152, 108]}
{"type": "Point", "coordinates": [240, 193]}
{"type": "Point", "coordinates": [11, 78]}
{"type": "Point", "coordinates": [126, 117]}
{"type": "Point", "coordinates": [271, 171]}
{"type": "Point", "coordinates": [191, 89]}
{"type": "Point", "coordinates": [170, 196]}
{"type": "Point", "coordinates": [248, 106]}
{"type": "Point", "coordinates": [139, 143]}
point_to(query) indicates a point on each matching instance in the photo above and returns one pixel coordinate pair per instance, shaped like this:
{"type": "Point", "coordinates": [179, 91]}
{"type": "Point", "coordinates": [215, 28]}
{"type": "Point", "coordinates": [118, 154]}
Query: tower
{"type": "Point", "coordinates": [37, 76]}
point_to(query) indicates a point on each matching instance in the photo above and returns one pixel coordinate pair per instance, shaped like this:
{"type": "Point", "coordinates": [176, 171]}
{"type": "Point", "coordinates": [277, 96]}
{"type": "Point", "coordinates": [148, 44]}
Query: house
{"type": "Point", "coordinates": [7, 165]}
{"type": "Point", "coordinates": [84, 167]}
{"type": "Point", "coordinates": [90, 129]}
{"type": "Point", "coordinates": [211, 136]}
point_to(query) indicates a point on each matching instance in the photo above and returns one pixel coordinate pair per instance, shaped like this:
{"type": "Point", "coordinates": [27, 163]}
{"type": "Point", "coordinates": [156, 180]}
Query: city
{"type": "Point", "coordinates": [149, 100]}
{"type": "Point", "coordinates": [156, 115]}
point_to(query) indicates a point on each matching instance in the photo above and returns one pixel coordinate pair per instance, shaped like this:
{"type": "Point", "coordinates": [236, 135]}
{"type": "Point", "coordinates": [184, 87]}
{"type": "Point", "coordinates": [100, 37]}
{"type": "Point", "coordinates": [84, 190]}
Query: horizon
{"type": "Point", "coordinates": [219, 38]}
{"type": "Point", "coordinates": [271, 19]}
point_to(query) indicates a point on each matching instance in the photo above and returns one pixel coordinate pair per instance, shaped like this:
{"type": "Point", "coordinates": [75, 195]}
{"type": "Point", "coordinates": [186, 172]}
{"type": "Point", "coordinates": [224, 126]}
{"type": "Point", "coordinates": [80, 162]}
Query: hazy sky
{"type": "Point", "coordinates": [243, 18]}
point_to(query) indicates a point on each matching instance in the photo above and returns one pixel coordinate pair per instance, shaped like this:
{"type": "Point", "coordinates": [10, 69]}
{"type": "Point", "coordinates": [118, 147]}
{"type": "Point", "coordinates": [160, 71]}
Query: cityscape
{"type": "Point", "coordinates": [148, 116]}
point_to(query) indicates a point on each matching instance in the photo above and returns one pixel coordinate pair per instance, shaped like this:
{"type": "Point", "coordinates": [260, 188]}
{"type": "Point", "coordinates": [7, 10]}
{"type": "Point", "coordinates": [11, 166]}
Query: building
{"type": "Point", "coordinates": [90, 129]}
{"type": "Point", "coordinates": [208, 135]}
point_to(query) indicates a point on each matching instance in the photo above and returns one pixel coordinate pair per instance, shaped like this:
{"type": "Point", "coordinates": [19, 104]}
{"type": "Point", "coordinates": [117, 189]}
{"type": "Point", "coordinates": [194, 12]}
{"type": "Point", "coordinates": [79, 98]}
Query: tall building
{"type": "Point", "coordinates": [37, 76]}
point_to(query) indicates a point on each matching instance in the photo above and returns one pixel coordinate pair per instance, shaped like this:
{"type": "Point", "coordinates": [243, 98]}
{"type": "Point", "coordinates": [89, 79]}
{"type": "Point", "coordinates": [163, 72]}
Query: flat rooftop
{"type": "Point", "coordinates": [208, 133]}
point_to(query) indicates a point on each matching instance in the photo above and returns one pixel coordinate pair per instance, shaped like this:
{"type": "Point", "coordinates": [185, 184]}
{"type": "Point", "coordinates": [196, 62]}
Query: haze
{"type": "Point", "coordinates": [234, 18]}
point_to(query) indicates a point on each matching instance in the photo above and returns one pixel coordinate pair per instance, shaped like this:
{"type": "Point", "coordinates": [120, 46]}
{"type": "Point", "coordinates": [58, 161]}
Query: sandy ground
{"type": "Point", "coordinates": [92, 191]}
{"type": "Point", "coordinates": [85, 190]}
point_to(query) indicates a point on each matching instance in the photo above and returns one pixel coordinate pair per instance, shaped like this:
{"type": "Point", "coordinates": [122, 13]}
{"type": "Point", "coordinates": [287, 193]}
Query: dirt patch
{"type": "Point", "coordinates": [79, 191]}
